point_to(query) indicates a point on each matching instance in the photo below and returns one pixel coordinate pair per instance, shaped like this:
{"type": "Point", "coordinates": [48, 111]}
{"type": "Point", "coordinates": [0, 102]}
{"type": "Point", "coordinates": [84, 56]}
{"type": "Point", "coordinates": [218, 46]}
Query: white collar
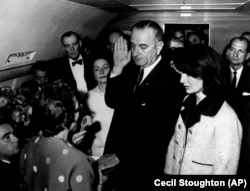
{"type": "Point", "coordinates": [239, 71]}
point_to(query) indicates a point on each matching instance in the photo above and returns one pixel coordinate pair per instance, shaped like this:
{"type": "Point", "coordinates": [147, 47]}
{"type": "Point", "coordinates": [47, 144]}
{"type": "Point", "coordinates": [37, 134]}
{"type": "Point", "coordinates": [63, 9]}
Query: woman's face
{"type": "Point", "coordinates": [191, 84]}
{"type": "Point", "coordinates": [101, 70]}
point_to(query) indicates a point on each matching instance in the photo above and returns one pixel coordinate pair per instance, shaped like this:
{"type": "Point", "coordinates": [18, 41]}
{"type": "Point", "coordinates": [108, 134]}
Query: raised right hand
{"type": "Point", "coordinates": [121, 56]}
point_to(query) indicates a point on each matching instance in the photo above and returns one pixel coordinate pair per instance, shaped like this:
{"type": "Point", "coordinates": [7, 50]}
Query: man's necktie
{"type": "Point", "coordinates": [234, 79]}
{"type": "Point", "coordinates": [77, 62]}
{"type": "Point", "coordinates": [139, 79]}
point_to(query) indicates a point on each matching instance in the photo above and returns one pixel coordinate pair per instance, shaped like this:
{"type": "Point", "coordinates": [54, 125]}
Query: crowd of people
{"type": "Point", "coordinates": [145, 109]}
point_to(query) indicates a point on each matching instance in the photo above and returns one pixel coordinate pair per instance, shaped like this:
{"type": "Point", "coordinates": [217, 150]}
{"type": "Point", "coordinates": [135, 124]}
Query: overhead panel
{"type": "Point", "coordinates": [108, 5]}
{"type": "Point", "coordinates": [169, 5]}
{"type": "Point", "coordinates": [174, 5]}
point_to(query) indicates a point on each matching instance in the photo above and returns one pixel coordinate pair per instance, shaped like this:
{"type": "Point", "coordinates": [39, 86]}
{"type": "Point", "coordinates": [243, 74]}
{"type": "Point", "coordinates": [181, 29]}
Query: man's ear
{"type": "Point", "coordinates": [80, 43]}
{"type": "Point", "coordinates": [159, 47]}
{"type": "Point", "coordinates": [248, 56]}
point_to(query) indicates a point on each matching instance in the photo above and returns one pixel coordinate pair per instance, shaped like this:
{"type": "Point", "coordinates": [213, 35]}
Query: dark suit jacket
{"type": "Point", "coordinates": [31, 85]}
{"type": "Point", "coordinates": [9, 177]}
{"type": "Point", "coordinates": [60, 69]}
{"type": "Point", "coordinates": [241, 104]}
{"type": "Point", "coordinates": [143, 122]}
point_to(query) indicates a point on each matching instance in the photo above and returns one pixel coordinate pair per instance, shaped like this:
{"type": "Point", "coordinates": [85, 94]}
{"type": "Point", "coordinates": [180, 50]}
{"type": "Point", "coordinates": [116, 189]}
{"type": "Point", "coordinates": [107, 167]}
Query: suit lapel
{"type": "Point", "coordinates": [150, 77]}
{"type": "Point", "coordinates": [243, 80]}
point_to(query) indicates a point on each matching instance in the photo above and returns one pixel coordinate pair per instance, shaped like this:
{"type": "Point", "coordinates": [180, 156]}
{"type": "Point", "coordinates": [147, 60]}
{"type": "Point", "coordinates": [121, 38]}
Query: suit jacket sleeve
{"type": "Point", "coordinates": [121, 86]}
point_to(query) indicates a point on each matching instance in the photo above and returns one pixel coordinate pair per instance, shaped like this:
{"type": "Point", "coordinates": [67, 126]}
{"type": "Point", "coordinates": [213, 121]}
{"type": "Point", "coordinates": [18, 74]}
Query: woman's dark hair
{"type": "Point", "coordinates": [53, 108]}
{"type": "Point", "coordinates": [202, 61]}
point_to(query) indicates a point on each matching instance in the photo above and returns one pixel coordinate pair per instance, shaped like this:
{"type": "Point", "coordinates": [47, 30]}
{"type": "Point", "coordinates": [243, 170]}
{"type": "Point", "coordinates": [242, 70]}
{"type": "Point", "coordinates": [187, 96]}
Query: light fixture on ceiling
{"type": "Point", "coordinates": [185, 14]}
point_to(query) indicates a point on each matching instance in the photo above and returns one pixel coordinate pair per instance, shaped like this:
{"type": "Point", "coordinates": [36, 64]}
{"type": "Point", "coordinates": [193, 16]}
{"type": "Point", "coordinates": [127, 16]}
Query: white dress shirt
{"type": "Point", "coordinates": [78, 72]}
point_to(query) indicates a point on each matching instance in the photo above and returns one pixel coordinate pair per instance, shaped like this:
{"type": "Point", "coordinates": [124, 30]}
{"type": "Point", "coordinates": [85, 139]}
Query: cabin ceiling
{"type": "Point", "coordinates": [165, 5]}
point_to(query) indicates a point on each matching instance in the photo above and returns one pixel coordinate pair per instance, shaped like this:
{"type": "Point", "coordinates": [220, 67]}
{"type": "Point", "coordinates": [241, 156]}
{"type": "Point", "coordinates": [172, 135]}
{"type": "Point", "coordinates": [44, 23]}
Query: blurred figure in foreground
{"type": "Point", "coordinates": [9, 148]}
{"type": "Point", "coordinates": [49, 161]}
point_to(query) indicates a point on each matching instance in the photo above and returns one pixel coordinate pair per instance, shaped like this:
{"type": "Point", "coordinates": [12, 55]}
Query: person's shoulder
{"type": "Point", "coordinates": [246, 77]}
{"type": "Point", "coordinates": [93, 90]}
{"type": "Point", "coordinates": [74, 153]}
{"type": "Point", "coordinates": [85, 57]}
{"type": "Point", "coordinates": [227, 112]}
{"type": "Point", "coordinates": [247, 69]}
{"type": "Point", "coordinates": [28, 145]}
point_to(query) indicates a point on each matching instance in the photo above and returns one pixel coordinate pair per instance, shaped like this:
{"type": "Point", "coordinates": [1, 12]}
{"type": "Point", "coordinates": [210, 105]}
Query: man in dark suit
{"type": "Point", "coordinates": [238, 76]}
{"type": "Point", "coordinates": [9, 148]}
{"type": "Point", "coordinates": [75, 68]}
{"type": "Point", "coordinates": [40, 73]}
{"type": "Point", "coordinates": [146, 96]}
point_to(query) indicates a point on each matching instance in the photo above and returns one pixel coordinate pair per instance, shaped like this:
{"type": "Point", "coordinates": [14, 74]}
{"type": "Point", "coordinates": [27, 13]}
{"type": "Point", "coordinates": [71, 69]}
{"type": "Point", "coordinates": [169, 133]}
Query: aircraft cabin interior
{"type": "Point", "coordinates": [162, 111]}
{"type": "Point", "coordinates": [31, 29]}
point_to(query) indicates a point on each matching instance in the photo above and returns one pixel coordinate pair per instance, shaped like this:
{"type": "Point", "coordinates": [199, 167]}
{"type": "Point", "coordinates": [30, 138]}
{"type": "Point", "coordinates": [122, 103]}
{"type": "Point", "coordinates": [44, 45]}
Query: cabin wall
{"type": "Point", "coordinates": [27, 25]}
{"type": "Point", "coordinates": [223, 26]}
{"type": "Point", "coordinates": [16, 82]}
{"type": "Point", "coordinates": [38, 24]}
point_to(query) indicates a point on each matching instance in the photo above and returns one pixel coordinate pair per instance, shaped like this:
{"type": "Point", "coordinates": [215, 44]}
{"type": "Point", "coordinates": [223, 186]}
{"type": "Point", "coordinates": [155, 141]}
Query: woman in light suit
{"type": "Point", "coordinates": [208, 133]}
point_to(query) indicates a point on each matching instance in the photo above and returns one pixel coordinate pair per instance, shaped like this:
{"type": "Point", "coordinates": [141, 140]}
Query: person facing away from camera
{"type": "Point", "coordinates": [208, 133]}
{"type": "Point", "coordinates": [146, 97]}
{"type": "Point", "coordinates": [48, 161]}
